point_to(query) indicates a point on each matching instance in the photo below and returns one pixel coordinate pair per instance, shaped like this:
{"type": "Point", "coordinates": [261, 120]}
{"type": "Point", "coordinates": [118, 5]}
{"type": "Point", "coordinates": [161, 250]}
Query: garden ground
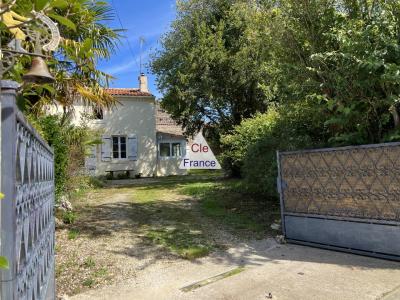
{"type": "Point", "coordinates": [121, 230]}
{"type": "Point", "coordinates": [200, 237]}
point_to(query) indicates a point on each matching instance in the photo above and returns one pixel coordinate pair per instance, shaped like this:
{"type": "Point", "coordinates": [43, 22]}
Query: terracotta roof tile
{"type": "Point", "coordinates": [126, 92]}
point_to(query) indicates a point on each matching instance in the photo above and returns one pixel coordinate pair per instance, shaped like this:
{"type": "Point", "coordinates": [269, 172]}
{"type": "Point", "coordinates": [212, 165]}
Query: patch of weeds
{"type": "Point", "coordinates": [101, 272]}
{"type": "Point", "coordinates": [73, 234]}
{"type": "Point", "coordinates": [197, 189]}
{"type": "Point", "coordinates": [233, 217]}
{"type": "Point", "coordinates": [89, 262]}
{"type": "Point", "coordinates": [69, 217]}
{"type": "Point", "coordinates": [150, 194]}
{"type": "Point", "coordinates": [224, 201]}
{"type": "Point", "coordinates": [59, 270]}
{"type": "Point", "coordinates": [65, 267]}
{"type": "Point", "coordinates": [89, 282]}
{"type": "Point", "coordinates": [77, 194]}
{"type": "Point", "coordinates": [203, 172]}
{"type": "Point", "coordinates": [71, 263]}
{"type": "Point", "coordinates": [195, 252]}
{"type": "Point", "coordinates": [186, 243]}
{"type": "Point", "coordinates": [96, 182]}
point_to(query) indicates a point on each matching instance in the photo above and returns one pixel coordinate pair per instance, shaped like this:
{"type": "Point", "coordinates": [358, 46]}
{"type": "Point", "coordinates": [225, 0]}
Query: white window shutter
{"type": "Point", "coordinates": [132, 147]}
{"type": "Point", "coordinates": [106, 148]}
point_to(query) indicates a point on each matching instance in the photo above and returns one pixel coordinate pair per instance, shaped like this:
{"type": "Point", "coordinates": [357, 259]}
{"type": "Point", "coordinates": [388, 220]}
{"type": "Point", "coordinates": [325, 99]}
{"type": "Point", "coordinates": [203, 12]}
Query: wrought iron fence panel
{"type": "Point", "coordinates": [27, 227]}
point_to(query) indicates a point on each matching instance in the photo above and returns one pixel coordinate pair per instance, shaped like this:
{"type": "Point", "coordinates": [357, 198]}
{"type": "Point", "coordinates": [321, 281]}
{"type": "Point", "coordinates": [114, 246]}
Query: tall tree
{"type": "Point", "coordinates": [213, 65]}
{"type": "Point", "coordinates": [343, 55]}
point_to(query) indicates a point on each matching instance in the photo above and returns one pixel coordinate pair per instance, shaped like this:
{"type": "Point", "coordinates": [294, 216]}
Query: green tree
{"type": "Point", "coordinates": [225, 60]}
{"type": "Point", "coordinates": [213, 65]}
{"type": "Point", "coordinates": [345, 54]}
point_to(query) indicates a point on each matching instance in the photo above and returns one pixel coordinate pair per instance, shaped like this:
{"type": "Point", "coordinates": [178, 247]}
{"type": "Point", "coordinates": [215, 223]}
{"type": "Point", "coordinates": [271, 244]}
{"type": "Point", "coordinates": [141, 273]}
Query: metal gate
{"type": "Point", "coordinates": [26, 212]}
{"type": "Point", "coordinates": [345, 199]}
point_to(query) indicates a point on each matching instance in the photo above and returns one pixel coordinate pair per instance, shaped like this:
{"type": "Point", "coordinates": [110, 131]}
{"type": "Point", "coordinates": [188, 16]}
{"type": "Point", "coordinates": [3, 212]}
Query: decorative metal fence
{"type": "Point", "coordinates": [27, 221]}
{"type": "Point", "coordinates": [343, 198]}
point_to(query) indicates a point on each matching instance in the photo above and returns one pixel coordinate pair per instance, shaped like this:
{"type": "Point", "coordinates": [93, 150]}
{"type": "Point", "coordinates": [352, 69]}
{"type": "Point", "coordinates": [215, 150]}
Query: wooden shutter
{"type": "Point", "coordinates": [106, 148]}
{"type": "Point", "coordinates": [132, 147]}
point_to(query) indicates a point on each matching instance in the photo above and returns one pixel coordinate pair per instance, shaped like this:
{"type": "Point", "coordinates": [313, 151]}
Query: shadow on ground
{"type": "Point", "coordinates": [158, 226]}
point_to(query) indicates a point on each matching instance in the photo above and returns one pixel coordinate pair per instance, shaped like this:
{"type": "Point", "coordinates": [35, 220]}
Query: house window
{"type": "Point", "coordinates": [119, 147]}
{"type": "Point", "coordinates": [98, 113]}
{"type": "Point", "coordinates": [170, 149]}
{"type": "Point", "coordinates": [165, 150]}
{"type": "Point", "coordinates": [176, 149]}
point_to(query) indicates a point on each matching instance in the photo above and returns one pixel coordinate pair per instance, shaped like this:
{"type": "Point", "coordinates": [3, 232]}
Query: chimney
{"type": "Point", "coordinates": [143, 83]}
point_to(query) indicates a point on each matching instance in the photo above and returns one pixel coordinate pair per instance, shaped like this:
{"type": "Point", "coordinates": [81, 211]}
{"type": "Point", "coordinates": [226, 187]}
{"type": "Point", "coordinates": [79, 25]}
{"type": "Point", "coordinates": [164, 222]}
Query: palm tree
{"type": "Point", "coordinates": [86, 39]}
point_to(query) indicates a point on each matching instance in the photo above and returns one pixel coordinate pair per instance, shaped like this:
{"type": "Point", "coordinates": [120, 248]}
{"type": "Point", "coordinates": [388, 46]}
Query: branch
{"type": "Point", "coordinates": [6, 7]}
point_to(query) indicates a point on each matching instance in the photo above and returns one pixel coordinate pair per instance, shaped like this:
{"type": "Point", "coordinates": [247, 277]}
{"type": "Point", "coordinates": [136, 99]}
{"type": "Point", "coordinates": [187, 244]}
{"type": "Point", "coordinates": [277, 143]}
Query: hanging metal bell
{"type": "Point", "coordinates": [39, 72]}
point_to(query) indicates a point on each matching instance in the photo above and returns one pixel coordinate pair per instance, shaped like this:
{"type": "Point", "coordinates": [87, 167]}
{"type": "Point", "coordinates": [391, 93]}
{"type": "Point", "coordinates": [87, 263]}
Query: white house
{"type": "Point", "coordinates": [137, 136]}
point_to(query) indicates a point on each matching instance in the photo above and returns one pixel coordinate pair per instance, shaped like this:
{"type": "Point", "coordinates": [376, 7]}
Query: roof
{"type": "Point", "coordinates": [127, 92]}
{"type": "Point", "coordinates": [165, 124]}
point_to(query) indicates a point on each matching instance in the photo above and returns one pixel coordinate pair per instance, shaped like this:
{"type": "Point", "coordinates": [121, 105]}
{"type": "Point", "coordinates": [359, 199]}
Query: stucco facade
{"type": "Point", "coordinates": [134, 119]}
{"type": "Point", "coordinates": [136, 136]}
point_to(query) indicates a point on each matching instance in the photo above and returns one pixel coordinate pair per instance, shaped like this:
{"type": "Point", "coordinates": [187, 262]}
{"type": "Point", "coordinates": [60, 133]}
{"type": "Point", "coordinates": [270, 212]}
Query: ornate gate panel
{"type": "Point", "coordinates": [345, 198]}
{"type": "Point", "coordinates": [27, 222]}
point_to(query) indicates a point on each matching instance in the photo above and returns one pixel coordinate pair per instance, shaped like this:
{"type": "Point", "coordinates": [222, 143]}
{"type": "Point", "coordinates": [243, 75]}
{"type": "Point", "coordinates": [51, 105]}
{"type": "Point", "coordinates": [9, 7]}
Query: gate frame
{"type": "Point", "coordinates": [370, 221]}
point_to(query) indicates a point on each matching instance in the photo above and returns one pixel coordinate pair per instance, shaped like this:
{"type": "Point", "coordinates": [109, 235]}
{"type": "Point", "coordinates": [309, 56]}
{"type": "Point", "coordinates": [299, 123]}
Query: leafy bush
{"type": "Point", "coordinates": [69, 217]}
{"type": "Point", "coordinates": [52, 129]}
{"type": "Point", "coordinates": [236, 144]}
{"type": "Point", "coordinates": [96, 182]}
{"type": "Point", "coordinates": [251, 148]}
{"type": "Point", "coordinates": [70, 144]}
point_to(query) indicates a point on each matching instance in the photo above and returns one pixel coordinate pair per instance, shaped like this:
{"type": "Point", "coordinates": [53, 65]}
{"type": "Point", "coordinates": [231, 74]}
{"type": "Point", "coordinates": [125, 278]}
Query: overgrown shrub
{"type": "Point", "coordinates": [70, 144]}
{"type": "Point", "coordinates": [69, 217]}
{"type": "Point", "coordinates": [52, 130]}
{"type": "Point", "coordinates": [250, 150]}
{"type": "Point", "coordinates": [236, 144]}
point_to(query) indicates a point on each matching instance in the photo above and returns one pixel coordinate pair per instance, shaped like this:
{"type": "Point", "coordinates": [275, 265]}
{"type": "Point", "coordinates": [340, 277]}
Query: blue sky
{"type": "Point", "coordinates": [147, 18]}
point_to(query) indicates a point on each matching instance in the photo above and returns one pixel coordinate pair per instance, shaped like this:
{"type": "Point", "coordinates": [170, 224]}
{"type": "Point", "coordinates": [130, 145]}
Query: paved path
{"type": "Point", "coordinates": [271, 270]}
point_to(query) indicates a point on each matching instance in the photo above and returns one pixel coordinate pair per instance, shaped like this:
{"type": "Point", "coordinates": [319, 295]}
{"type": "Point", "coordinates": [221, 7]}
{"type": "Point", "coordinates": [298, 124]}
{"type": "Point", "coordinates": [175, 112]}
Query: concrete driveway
{"type": "Point", "coordinates": [270, 271]}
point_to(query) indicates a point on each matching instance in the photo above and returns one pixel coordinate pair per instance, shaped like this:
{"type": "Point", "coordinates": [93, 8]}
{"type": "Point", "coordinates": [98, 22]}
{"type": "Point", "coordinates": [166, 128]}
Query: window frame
{"type": "Point", "coordinates": [159, 149]}
{"type": "Point", "coordinates": [182, 144]}
{"type": "Point", "coordinates": [119, 147]}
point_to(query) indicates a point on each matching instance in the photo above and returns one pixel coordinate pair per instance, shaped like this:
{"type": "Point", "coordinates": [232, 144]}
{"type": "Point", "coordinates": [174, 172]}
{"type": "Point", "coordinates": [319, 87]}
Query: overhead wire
{"type": "Point", "coordinates": [127, 40]}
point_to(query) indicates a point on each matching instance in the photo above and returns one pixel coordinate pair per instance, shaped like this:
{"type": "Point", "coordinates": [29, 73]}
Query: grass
{"type": "Point", "coordinates": [89, 282]}
{"type": "Point", "coordinates": [147, 195]}
{"type": "Point", "coordinates": [101, 272]}
{"type": "Point", "coordinates": [186, 216]}
{"type": "Point", "coordinates": [73, 234]}
{"type": "Point", "coordinates": [166, 217]}
{"type": "Point", "coordinates": [225, 201]}
{"type": "Point", "coordinates": [89, 262]}
{"type": "Point", "coordinates": [182, 241]}
{"type": "Point", "coordinates": [176, 227]}
{"type": "Point", "coordinates": [69, 217]}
